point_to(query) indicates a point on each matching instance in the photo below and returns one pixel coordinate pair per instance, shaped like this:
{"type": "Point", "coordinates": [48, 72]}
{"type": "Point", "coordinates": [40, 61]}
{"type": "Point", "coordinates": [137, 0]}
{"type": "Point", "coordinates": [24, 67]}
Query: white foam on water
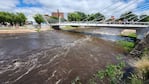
{"type": "Point", "coordinates": [57, 82]}
{"type": "Point", "coordinates": [30, 69]}
{"type": "Point", "coordinates": [87, 38]}
{"type": "Point", "coordinates": [53, 74]}
{"type": "Point", "coordinates": [108, 31]}
{"type": "Point", "coordinates": [17, 64]}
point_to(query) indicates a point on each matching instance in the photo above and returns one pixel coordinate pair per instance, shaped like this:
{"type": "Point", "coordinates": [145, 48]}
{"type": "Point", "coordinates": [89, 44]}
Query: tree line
{"type": "Point", "coordinates": [20, 18]}
{"type": "Point", "coordinates": [12, 18]}
{"type": "Point", "coordinates": [128, 16]}
{"type": "Point", "coordinates": [80, 16]}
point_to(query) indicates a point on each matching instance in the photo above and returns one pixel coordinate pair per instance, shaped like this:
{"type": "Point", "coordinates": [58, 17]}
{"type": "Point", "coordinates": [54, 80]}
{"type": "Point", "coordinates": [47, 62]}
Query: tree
{"type": "Point", "coordinates": [144, 18]}
{"type": "Point", "coordinates": [74, 17]}
{"type": "Point", "coordinates": [12, 18]}
{"type": "Point", "coordinates": [91, 17]}
{"type": "Point", "coordinates": [39, 19]}
{"type": "Point", "coordinates": [53, 19]}
{"type": "Point", "coordinates": [129, 16]}
{"type": "Point", "coordinates": [96, 17]}
{"type": "Point", "coordinates": [82, 16]}
{"type": "Point", "coordinates": [99, 16]}
{"type": "Point", "coordinates": [21, 18]}
{"type": "Point", "coordinates": [2, 17]}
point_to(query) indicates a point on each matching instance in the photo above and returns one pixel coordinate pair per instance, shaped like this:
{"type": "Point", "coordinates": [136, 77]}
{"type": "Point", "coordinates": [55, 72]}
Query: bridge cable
{"type": "Point", "coordinates": [109, 6]}
{"type": "Point", "coordinates": [124, 7]}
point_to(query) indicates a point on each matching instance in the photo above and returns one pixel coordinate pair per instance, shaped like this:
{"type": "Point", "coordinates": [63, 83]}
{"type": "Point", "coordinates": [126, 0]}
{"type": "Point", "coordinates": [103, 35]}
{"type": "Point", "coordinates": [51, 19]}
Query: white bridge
{"type": "Point", "coordinates": [141, 27]}
{"type": "Point", "coordinates": [126, 25]}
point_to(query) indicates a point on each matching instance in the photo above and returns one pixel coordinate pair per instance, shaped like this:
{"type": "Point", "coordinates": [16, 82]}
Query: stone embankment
{"type": "Point", "coordinates": [140, 47]}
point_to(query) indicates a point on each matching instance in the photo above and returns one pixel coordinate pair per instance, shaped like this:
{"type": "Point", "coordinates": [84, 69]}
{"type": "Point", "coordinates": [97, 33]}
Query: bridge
{"type": "Point", "coordinates": [127, 25]}
{"type": "Point", "coordinates": [141, 27]}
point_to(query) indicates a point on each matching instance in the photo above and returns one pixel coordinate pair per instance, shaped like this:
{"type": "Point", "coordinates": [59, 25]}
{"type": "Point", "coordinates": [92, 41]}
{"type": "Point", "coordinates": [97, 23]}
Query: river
{"type": "Point", "coordinates": [53, 57]}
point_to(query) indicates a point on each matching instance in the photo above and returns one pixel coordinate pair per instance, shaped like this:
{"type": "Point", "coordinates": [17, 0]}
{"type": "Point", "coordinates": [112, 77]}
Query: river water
{"type": "Point", "coordinates": [53, 57]}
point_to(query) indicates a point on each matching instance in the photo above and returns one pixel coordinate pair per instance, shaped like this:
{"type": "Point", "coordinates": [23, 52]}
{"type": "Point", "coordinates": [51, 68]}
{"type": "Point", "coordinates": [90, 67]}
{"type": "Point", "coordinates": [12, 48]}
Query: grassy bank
{"type": "Point", "coordinates": [116, 74]}
{"type": "Point", "coordinates": [126, 45]}
{"type": "Point", "coordinates": [69, 28]}
{"type": "Point", "coordinates": [131, 35]}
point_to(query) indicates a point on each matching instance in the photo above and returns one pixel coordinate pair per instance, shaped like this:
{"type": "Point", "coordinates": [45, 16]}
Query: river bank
{"type": "Point", "coordinates": [21, 30]}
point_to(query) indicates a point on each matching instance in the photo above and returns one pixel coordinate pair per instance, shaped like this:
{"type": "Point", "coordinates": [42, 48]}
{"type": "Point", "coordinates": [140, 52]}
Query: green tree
{"type": "Point", "coordinates": [22, 18]}
{"type": "Point", "coordinates": [96, 17]}
{"type": "Point", "coordinates": [39, 19]}
{"type": "Point", "coordinates": [12, 18]}
{"type": "Point", "coordinates": [74, 17]}
{"type": "Point", "coordinates": [53, 19]}
{"type": "Point", "coordinates": [99, 16]}
{"type": "Point", "coordinates": [91, 17]}
{"type": "Point", "coordinates": [144, 18]}
{"type": "Point", "coordinates": [129, 16]}
{"type": "Point", "coordinates": [82, 16]}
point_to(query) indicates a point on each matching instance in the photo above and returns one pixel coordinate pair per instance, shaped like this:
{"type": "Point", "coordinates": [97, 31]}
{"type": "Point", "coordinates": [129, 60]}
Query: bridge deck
{"type": "Point", "coordinates": [103, 25]}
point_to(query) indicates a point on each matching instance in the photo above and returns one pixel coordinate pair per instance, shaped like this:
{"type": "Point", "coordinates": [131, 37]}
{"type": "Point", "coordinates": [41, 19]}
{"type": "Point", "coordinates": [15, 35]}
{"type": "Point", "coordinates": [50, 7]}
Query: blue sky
{"type": "Point", "coordinates": [22, 4]}
{"type": "Point", "coordinates": [107, 7]}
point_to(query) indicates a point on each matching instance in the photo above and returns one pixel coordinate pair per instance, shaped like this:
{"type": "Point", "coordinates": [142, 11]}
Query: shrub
{"type": "Point", "coordinates": [132, 35]}
{"type": "Point", "coordinates": [113, 73]}
{"type": "Point", "coordinates": [127, 45]}
{"type": "Point", "coordinates": [142, 67]}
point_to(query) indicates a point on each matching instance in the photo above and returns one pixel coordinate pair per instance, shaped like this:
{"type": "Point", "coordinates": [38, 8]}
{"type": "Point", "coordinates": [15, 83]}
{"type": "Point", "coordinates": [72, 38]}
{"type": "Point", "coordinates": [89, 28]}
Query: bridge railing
{"type": "Point", "coordinates": [101, 22]}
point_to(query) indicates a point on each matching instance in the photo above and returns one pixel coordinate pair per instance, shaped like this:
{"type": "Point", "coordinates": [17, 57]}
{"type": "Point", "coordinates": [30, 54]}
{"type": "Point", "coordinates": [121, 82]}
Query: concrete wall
{"type": "Point", "coordinates": [141, 32]}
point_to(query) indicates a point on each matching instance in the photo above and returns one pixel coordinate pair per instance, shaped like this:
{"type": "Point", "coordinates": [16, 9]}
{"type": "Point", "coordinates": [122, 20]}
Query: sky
{"type": "Point", "coordinates": [106, 7]}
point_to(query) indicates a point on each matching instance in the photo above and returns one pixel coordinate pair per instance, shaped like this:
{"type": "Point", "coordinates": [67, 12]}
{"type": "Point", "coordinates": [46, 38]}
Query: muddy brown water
{"type": "Point", "coordinates": [53, 57]}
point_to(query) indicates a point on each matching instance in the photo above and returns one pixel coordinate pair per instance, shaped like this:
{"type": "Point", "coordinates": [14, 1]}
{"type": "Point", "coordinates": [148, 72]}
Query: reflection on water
{"type": "Point", "coordinates": [53, 57]}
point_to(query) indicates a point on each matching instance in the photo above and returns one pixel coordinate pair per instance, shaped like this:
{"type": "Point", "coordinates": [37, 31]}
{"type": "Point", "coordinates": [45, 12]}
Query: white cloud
{"type": "Point", "coordinates": [31, 11]}
{"type": "Point", "coordinates": [8, 4]}
{"type": "Point", "coordinates": [107, 7]}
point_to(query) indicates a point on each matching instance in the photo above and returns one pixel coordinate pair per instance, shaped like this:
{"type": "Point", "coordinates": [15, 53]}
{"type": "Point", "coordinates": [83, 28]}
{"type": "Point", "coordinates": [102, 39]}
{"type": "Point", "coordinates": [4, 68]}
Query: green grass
{"type": "Point", "coordinates": [127, 45]}
{"type": "Point", "coordinates": [69, 28]}
{"type": "Point", "coordinates": [131, 35]}
{"type": "Point", "coordinates": [38, 30]}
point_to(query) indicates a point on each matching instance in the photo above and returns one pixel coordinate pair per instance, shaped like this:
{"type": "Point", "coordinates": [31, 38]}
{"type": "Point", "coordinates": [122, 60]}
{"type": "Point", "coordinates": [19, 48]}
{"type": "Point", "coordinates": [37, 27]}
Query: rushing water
{"type": "Point", "coordinates": [53, 57]}
{"type": "Point", "coordinates": [111, 34]}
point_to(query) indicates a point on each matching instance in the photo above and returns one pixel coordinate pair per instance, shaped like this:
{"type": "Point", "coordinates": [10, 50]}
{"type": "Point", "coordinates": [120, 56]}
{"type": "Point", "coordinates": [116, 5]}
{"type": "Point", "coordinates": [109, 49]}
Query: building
{"type": "Point", "coordinates": [58, 14]}
{"type": "Point", "coordinates": [112, 18]}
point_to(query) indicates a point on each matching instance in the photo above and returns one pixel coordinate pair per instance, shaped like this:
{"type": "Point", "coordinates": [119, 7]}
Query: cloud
{"type": "Point", "coordinates": [8, 4]}
{"type": "Point", "coordinates": [107, 7]}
